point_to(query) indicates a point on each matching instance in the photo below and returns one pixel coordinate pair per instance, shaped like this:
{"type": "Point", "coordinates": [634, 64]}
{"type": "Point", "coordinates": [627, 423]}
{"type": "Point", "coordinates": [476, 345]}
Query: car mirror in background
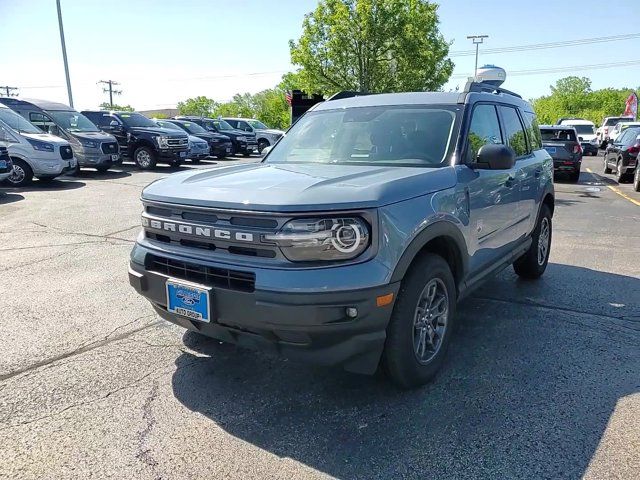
{"type": "Point", "coordinates": [580, 139]}
{"type": "Point", "coordinates": [495, 157]}
{"type": "Point", "coordinates": [53, 130]}
{"type": "Point", "coordinates": [115, 126]}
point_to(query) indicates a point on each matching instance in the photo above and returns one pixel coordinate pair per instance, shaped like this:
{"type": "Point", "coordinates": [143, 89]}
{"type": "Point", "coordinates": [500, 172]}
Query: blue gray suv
{"type": "Point", "coordinates": [353, 240]}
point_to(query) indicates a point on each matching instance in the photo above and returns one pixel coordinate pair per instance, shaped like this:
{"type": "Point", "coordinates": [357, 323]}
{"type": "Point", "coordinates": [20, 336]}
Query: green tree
{"type": "Point", "coordinates": [200, 106]}
{"type": "Point", "coordinates": [371, 46]}
{"type": "Point", "coordinates": [573, 97]}
{"type": "Point", "coordinates": [119, 108]}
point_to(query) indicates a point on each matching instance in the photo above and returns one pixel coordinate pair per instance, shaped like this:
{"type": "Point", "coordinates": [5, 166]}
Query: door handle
{"type": "Point", "coordinates": [509, 183]}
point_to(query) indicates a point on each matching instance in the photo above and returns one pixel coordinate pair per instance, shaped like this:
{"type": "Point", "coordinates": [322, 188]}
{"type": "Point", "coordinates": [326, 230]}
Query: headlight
{"type": "Point", "coordinates": [163, 142]}
{"type": "Point", "coordinates": [41, 146]}
{"type": "Point", "coordinates": [322, 239]}
{"type": "Point", "coordinates": [202, 146]}
{"type": "Point", "coordinates": [88, 143]}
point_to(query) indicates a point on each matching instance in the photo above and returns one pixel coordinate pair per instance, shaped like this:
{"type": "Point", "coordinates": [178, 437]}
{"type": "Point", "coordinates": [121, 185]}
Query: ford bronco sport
{"type": "Point", "coordinates": [352, 241]}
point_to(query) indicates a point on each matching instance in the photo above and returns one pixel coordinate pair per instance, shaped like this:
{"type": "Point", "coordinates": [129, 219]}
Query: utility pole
{"type": "Point", "coordinates": [7, 91]}
{"type": "Point", "coordinates": [110, 89]}
{"type": "Point", "coordinates": [64, 54]}
{"type": "Point", "coordinates": [477, 40]}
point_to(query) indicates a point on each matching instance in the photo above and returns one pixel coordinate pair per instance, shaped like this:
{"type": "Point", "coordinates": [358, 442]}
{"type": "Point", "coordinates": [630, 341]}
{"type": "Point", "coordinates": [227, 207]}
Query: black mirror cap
{"type": "Point", "coordinates": [495, 157]}
{"type": "Point", "coordinates": [580, 139]}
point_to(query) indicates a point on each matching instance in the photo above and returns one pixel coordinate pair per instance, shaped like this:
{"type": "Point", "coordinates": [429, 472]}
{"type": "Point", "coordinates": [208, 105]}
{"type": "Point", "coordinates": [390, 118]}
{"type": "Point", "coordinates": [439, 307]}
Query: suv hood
{"type": "Point", "coordinates": [299, 187]}
{"type": "Point", "coordinates": [97, 136]}
{"type": "Point", "coordinates": [45, 137]}
{"type": "Point", "coordinates": [211, 136]}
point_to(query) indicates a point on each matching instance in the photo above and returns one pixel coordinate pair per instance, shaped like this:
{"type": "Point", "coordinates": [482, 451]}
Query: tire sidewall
{"type": "Point", "coordinates": [28, 173]}
{"type": "Point", "coordinates": [152, 163]}
{"type": "Point", "coordinates": [399, 359]}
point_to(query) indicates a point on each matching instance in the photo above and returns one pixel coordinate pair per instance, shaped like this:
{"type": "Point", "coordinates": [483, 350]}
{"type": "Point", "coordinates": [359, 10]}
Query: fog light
{"type": "Point", "coordinates": [352, 312]}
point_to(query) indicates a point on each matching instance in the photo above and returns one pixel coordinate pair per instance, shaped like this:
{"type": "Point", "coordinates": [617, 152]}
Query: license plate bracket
{"type": "Point", "coordinates": [189, 300]}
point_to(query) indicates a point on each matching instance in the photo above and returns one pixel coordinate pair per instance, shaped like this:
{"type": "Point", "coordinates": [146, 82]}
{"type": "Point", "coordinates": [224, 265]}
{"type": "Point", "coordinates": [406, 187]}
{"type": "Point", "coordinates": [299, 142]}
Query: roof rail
{"type": "Point", "coordinates": [345, 94]}
{"type": "Point", "coordinates": [472, 86]}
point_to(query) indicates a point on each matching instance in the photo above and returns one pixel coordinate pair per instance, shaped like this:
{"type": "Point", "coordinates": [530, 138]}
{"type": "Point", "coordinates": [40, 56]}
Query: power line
{"type": "Point", "coordinates": [8, 91]}
{"type": "Point", "coordinates": [110, 89]}
{"type": "Point", "coordinates": [542, 46]}
{"type": "Point", "coordinates": [538, 71]}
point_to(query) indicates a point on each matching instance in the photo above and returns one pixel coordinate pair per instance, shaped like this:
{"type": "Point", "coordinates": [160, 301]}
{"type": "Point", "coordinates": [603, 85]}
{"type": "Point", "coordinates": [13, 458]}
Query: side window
{"type": "Point", "coordinates": [103, 120]}
{"type": "Point", "coordinates": [626, 137]}
{"type": "Point", "coordinates": [514, 131]}
{"type": "Point", "coordinates": [41, 121]}
{"type": "Point", "coordinates": [233, 123]}
{"type": "Point", "coordinates": [244, 126]}
{"type": "Point", "coordinates": [484, 129]}
{"type": "Point", "coordinates": [533, 130]}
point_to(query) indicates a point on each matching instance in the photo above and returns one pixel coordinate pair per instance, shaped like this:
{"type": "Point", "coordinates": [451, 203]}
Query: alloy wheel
{"type": "Point", "coordinates": [543, 241]}
{"type": "Point", "coordinates": [17, 174]}
{"type": "Point", "coordinates": [143, 158]}
{"type": "Point", "coordinates": [430, 320]}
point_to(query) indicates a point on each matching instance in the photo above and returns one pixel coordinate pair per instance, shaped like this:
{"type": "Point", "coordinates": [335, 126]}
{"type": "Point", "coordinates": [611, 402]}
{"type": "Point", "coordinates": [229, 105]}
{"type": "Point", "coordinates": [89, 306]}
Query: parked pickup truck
{"type": "Point", "coordinates": [243, 143]}
{"type": "Point", "coordinates": [142, 139]}
{"type": "Point", "coordinates": [603, 133]}
{"type": "Point", "coordinates": [353, 240]}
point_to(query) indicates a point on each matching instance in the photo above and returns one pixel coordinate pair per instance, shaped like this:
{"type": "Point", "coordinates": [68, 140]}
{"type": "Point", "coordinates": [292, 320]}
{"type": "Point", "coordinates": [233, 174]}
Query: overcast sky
{"type": "Point", "coordinates": [163, 51]}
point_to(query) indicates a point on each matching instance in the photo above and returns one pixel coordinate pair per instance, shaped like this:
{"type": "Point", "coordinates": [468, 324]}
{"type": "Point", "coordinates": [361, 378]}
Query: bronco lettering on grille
{"type": "Point", "coordinates": [197, 231]}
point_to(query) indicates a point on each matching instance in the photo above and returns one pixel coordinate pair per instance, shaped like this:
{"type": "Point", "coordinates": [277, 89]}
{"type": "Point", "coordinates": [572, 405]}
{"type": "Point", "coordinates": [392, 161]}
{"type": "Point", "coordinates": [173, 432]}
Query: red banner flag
{"type": "Point", "coordinates": [631, 106]}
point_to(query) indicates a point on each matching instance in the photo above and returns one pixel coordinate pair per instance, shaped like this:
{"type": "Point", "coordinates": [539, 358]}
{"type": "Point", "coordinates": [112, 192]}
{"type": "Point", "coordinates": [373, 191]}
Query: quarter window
{"type": "Point", "coordinates": [514, 131]}
{"type": "Point", "coordinates": [484, 129]}
{"type": "Point", "coordinates": [533, 130]}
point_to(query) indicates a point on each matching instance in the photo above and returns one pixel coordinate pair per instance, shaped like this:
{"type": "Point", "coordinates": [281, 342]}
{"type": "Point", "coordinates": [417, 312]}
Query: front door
{"type": "Point", "coordinates": [493, 194]}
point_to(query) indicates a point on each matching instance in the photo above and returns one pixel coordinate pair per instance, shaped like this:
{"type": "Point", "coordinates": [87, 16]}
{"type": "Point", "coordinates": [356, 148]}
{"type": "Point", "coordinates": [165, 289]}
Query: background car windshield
{"type": "Point", "coordinates": [584, 129]}
{"type": "Point", "coordinates": [169, 125]}
{"type": "Point", "coordinates": [136, 120]}
{"type": "Point", "coordinates": [614, 120]}
{"type": "Point", "coordinates": [193, 128]}
{"type": "Point", "coordinates": [558, 135]}
{"type": "Point", "coordinates": [17, 122]}
{"type": "Point", "coordinates": [370, 135]}
{"type": "Point", "coordinates": [222, 125]}
{"type": "Point", "coordinates": [73, 122]}
{"type": "Point", "coordinates": [257, 124]}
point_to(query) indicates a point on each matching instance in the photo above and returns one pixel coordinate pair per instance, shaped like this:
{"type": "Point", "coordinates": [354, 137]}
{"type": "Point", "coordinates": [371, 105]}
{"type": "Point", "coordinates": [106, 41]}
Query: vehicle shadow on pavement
{"type": "Point", "coordinates": [52, 185]}
{"type": "Point", "coordinates": [6, 198]}
{"type": "Point", "coordinates": [95, 175]}
{"type": "Point", "coordinates": [532, 378]}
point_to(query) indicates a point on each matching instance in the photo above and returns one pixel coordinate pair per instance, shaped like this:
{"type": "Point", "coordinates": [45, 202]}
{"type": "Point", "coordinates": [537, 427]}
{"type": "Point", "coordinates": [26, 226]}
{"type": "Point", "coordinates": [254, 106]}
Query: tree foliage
{"type": "Point", "coordinates": [118, 108]}
{"type": "Point", "coordinates": [573, 97]}
{"type": "Point", "coordinates": [199, 106]}
{"type": "Point", "coordinates": [371, 46]}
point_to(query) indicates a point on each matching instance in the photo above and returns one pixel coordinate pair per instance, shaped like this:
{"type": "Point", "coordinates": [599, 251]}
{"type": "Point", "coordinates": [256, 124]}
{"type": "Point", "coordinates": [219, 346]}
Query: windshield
{"type": "Point", "coordinates": [136, 120]}
{"type": "Point", "coordinates": [614, 120]}
{"type": "Point", "coordinates": [397, 135]}
{"type": "Point", "coordinates": [169, 125]}
{"type": "Point", "coordinates": [222, 125]}
{"type": "Point", "coordinates": [17, 122]}
{"type": "Point", "coordinates": [193, 127]}
{"type": "Point", "coordinates": [257, 124]}
{"type": "Point", "coordinates": [73, 121]}
{"type": "Point", "coordinates": [584, 129]}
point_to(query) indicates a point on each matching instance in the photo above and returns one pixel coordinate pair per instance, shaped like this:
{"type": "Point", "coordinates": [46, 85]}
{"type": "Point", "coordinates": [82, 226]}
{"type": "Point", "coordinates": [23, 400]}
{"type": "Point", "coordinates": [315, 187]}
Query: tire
{"type": "Point", "coordinates": [606, 166]}
{"type": "Point", "coordinates": [221, 157]}
{"type": "Point", "coordinates": [176, 163]}
{"type": "Point", "coordinates": [195, 161]}
{"type": "Point", "coordinates": [575, 176]}
{"type": "Point", "coordinates": [405, 357]}
{"type": "Point", "coordinates": [103, 168]}
{"type": "Point", "coordinates": [636, 180]}
{"type": "Point", "coordinates": [534, 262]}
{"type": "Point", "coordinates": [21, 174]}
{"type": "Point", "coordinates": [246, 154]}
{"type": "Point", "coordinates": [262, 144]}
{"type": "Point", "coordinates": [620, 177]}
{"type": "Point", "coordinates": [144, 158]}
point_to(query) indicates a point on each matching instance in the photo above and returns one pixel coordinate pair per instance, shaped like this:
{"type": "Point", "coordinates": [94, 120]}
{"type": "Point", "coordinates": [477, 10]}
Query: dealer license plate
{"type": "Point", "coordinates": [188, 300]}
{"type": "Point", "coordinates": [183, 154]}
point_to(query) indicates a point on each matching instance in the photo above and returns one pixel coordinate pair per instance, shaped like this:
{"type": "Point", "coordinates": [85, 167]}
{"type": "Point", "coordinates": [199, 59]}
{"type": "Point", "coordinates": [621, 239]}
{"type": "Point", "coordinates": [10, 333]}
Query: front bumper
{"type": "Point", "coordinates": [310, 327]}
{"type": "Point", "coordinates": [221, 149]}
{"type": "Point", "coordinates": [567, 165]}
{"type": "Point", "coordinates": [95, 158]}
{"type": "Point", "coordinates": [170, 155]}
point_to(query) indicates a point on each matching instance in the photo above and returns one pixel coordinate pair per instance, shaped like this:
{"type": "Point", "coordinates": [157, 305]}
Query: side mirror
{"type": "Point", "coordinates": [113, 123]}
{"type": "Point", "coordinates": [53, 130]}
{"type": "Point", "coordinates": [495, 157]}
{"type": "Point", "coordinates": [248, 129]}
{"type": "Point", "coordinates": [580, 139]}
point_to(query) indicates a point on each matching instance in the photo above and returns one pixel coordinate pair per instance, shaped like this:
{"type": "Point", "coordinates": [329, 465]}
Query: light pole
{"type": "Point", "coordinates": [477, 40]}
{"type": "Point", "coordinates": [64, 54]}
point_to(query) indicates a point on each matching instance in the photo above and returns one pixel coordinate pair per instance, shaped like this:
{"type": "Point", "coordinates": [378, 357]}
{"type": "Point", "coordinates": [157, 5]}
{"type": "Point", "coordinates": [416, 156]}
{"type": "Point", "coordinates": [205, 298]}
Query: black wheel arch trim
{"type": "Point", "coordinates": [440, 229]}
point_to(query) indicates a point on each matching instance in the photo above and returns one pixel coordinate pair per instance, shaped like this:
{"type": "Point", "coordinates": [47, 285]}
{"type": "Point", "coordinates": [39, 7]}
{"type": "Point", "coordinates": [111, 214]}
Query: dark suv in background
{"type": "Point", "coordinates": [244, 143]}
{"type": "Point", "coordinates": [621, 156]}
{"type": "Point", "coordinates": [220, 145]}
{"type": "Point", "coordinates": [141, 138]}
{"type": "Point", "coordinates": [561, 142]}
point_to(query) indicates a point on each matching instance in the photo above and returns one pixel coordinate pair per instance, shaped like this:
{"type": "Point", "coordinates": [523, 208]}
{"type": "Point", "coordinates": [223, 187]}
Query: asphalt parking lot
{"type": "Point", "coordinates": [542, 380]}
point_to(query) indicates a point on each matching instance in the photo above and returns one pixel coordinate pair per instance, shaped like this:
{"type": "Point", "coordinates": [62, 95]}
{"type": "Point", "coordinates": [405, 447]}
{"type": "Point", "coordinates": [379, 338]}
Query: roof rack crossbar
{"type": "Point", "coordinates": [485, 87]}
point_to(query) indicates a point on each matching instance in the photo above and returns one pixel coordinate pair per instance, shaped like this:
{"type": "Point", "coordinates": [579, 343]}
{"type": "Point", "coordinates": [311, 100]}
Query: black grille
{"type": "Point", "coordinates": [178, 142]}
{"type": "Point", "coordinates": [110, 148]}
{"type": "Point", "coordinates": [66, 153]}
{"type": "Point", "coordinates": [210, 276]}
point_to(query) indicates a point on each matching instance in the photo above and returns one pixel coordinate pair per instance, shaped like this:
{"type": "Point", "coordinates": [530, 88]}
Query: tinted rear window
{"type": "Point", "coordinates": [612, 121]}
{"type": "Point", "coordinates": [557, 135]}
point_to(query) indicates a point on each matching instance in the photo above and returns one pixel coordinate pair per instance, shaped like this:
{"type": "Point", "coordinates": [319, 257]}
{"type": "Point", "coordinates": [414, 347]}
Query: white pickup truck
{"type": "Point", "coordinates": [603, 133]}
